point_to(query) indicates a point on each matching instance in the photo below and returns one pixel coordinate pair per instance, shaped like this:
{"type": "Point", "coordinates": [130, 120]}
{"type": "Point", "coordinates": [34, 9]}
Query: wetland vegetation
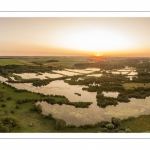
{"type": "Point", "coordinates": [63, 94]}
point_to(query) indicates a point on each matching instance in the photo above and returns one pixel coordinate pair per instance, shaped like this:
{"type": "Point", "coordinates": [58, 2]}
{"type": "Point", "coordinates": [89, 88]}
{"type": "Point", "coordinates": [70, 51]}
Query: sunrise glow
{"type": "Point", "coordinates": [98, 55]}
{"type": "Point", "coordinates": [75, 36]}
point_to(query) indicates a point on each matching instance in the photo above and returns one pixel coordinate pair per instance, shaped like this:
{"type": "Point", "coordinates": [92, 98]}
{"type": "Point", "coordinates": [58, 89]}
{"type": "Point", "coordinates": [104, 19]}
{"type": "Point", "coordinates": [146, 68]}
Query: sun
{"type": "Point", "coordinates": [98, 55]}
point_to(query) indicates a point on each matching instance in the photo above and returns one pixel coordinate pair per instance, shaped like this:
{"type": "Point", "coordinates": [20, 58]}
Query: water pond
{"type": "Point", "coordinates": [95, 75]}
{"type": "Point", "coordinates": [80, 116]}
{"type": "Point", "coordinates": [67, 73]}
{"type": "Point", "coordinates": [91, 115]}
{"type": "Point", "coordinates": [83, 71]}
{"type": "Point", "coordinates": [41, 76]}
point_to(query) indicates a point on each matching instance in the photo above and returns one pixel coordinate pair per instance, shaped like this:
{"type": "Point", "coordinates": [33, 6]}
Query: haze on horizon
{"type": "Point", "coordinates": [74, 36]}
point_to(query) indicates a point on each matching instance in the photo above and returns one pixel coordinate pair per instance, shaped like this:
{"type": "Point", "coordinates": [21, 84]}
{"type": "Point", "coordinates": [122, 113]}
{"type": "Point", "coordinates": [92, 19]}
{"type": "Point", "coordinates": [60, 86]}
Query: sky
{"type": "Point", "coordinates": [74, 36]}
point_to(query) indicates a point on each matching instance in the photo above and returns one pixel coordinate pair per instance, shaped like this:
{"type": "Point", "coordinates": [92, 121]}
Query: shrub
{"type": "Point", "coordinates": [71, 126]}
{"type": "Point", "coordinates": [50, 116]}
{"type": "Point", "coordinates": [116, 122]}
{"type": "Point", "coordinates": [1, 100]}
{"type": "Point", "coordinates": [3, 105]}
{"type": "Point", "coordinates": [60, 124]}
{"type": "Point", "coordinates": [109, 126]}
{"type": "Point", "coordinates": [11, 122]}
{"type": "Point", "coordinates": [103, 123]}
{"type": "Point", "coordinates": [127, 130]}
{"type": "Point", "coordinates": [38, 108]}
{"type": "Point", "coordinates": [12, 111]}
{"type": "Point", "coordinates": [17, 106]}
{"type": "Point", "coordinates": [19, 102]}
{"type": "Point", "coordinates": [8, 98]}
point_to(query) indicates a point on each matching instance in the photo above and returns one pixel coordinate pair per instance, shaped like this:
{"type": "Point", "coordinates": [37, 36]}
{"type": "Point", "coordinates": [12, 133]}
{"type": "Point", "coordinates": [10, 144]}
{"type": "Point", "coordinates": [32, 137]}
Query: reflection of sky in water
{"type": "Point", "coordinates": [83, 70]}
{"type": "Point", "coordinates": [95, 75]}
{"type": "Point", "coordinates": [95, 114]}
{"type": "Point", "coordinates": [110, 94]}
{"type": "Point", "coordinates": [67, 73]}
{"type": "Point", "coordinates": [89, 115]}
{"type": "Point", "coordinates": [34, 75]}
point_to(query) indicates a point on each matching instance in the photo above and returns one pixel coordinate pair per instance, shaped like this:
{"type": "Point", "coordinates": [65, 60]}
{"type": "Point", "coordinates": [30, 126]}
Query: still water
{"type": "Point", "coordinates": [40, 76]}
{"type": "Point", "coordinates": [79, 116]}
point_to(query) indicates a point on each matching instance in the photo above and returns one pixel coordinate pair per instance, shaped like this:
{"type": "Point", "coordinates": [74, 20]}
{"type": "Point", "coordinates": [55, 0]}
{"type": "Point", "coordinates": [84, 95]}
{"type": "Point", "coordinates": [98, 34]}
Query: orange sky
{"type": "Point", "coordinates": [74, 36]}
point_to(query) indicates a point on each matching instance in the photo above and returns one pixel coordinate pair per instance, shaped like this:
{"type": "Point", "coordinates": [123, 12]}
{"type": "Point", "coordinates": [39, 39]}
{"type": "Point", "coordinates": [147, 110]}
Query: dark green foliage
{"type": "Point", "coordinates": [60, 124]}
{"type": "Point", "coordinates": [38, 108]}
{"type": "Point", "coordinates": [109, 126]}
{"type": "Point", "coordinates": [52, 60]}
{"type": "Point", "coordinates": [24, 101]}
{"type": "Point", "coordinates": [50, 116]}
{"type": "Point", "coordinates": [80, 104]}
{"type": "Point", "coordinates": [24, 69]}
{"type": "Point", "coordinates": [8, 123]}
{"type": "Point", "coordinates": [41, 82]}
{"type": "Point", "coordinates": [122, 97]}
{"type": "Point", "coordinates": [103, 123]}
{"type": "Point", "coordinates": [71, 126]}
{"type": "Point", "coordinates": [9, 98]}
{"type": "Point", "coordinates": [78, 94]}
{"type": "Point", "coordinates": [17, 106]}
{"type": "Point", "coordinates": [127, 130]}
{"type": "Point", "coordinates": [12, 111]}
{"type": "Point", "coordinates": [103, 101]}
{"type": "Point", "coordinates": [3, 105]}
{"type": "Point", "coordinates": [116, 122]}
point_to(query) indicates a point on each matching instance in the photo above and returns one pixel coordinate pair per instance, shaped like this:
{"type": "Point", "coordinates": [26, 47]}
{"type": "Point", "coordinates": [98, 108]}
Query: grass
{"type": "Point", "coordinates": [27, 117]}
{"type": "Point", "coordinates": [132, 85]}
{"type": "Point", "coordinates": [63, 61]}
{"type": "Point", "coordinates": [4, 62]}
{"type": "Point", "coordinates": [139, 124]}
{"type": "Point", "coordinates": [46, 125]}
{"type": "Point", "coordinates": [23, 114]}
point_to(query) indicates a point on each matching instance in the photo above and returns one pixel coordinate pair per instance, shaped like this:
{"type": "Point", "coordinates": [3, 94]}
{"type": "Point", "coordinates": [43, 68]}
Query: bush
{"type": "Point", "coordinates": [71, 126]}
{"type": "Point", "coordinates": [3, 105]}
{"type": "Point", "coordinates": [38, 108]}
{"type": "Point", "coordinates": [116, 122]}
{"type": "Point", "coordinates": [17, 106]}
{"type": "Point", "coordinates": [12, 111]}
{"type": "Point", "coordinates": [60, 124]}
{"type": "Point", "coordinates": [11, 122]}
{"type": "Point", "coordinates": [50, 116]}
{"type": "Point", "coordinates": [19, 102]}
{"type": "Point", "coordinates": [8, 98]}
{"type": "Point", "coordinates": [109, 126]}
{"type": "Point", "coordinates": [127, 130]}
{"type": "Point", "coordinates": [103, 123]}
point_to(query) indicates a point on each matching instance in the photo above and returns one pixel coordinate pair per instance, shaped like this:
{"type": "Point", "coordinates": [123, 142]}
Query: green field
{"type": "Point", "coordinates": [62, 61]}
{"type": "Point", "coordinates": [135, 85]}
{"type": "Point", "coordinates": [23, 114]}
{"type": "Point", "coordinates": [4, 62]}
{"type": "Point", "coordinates": [139, 124]}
